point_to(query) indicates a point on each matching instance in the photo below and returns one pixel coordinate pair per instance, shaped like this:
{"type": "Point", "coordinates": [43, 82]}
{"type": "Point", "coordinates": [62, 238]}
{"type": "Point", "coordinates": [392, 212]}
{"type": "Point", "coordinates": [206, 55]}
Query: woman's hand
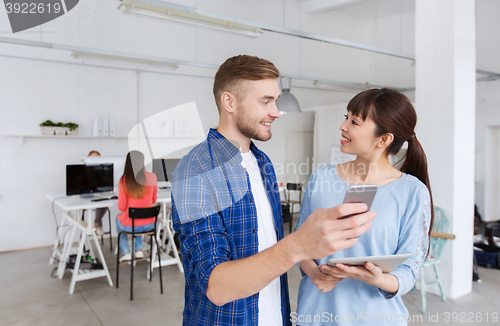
{"type": "Point", "coordinates": [324, 282]}
{"type": "Point", "coordinates": [370, 274]}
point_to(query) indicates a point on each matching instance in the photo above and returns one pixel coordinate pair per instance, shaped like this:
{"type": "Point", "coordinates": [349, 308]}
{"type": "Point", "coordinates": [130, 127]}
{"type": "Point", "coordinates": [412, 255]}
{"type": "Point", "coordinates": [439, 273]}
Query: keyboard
{"type": "Point", "coordinates": [104, 198]}
{"type": "Point", "coordinates": [99, 199]}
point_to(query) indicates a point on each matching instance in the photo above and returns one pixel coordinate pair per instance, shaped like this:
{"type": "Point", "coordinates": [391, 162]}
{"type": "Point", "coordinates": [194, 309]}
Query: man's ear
{"type": "Point", "coordinates": [385, 140]}
{"type": "Point", "coordinates": [228, 102]}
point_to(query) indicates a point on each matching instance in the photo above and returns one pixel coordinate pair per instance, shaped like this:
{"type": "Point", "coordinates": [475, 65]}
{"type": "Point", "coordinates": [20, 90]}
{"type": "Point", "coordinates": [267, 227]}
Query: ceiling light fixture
{"type": "Point", "coordinates": [342, 86]}
{"type": "Point", "coordinates": [124, 59]}
{"type": "Point", "coordinates": [287, 103]}
{"type": "Point", "coordinates": [161, 9]}
{"type": "Point", "coordinates": [353, 87]}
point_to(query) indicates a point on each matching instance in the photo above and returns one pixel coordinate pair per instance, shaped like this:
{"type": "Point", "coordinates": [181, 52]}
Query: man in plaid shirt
{"type": "Point", "coordinates": [227, 211]}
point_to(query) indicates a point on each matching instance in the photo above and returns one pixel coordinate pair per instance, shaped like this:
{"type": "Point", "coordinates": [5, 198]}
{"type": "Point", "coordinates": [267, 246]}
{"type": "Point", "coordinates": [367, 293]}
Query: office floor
{"type": "Point", "coordinates": [30, 296]}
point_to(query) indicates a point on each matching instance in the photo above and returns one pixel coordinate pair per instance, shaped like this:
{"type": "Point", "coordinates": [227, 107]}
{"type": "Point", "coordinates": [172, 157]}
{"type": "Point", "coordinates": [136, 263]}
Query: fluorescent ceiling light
{"type": "Point", "coordinates": [124, 59]}
{"type": "Point", "coordinates": [353, 87]}
{"type": "Point", "coordinates": [343, 86]}
{"type": "Point", "coordinates": [158, 9]}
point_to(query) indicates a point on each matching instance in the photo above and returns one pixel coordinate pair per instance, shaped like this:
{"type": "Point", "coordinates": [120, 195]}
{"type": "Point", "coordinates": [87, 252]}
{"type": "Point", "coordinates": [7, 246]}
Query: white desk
{"type": "Point", "coordinates": [72, 207]}
{"type": "Point", "coordinates": [164, 197]}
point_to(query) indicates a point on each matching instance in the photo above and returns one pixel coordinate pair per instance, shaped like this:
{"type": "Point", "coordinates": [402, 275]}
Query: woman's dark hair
{"type": "Point", "coordinates": [133, 177]}
{"type": "Point", "coordinates": [393, 113]}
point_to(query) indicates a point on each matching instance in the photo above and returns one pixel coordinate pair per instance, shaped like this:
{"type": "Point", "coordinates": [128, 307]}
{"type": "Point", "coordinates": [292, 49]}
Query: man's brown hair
{"type": "Point", "coordinates": [236, 69]}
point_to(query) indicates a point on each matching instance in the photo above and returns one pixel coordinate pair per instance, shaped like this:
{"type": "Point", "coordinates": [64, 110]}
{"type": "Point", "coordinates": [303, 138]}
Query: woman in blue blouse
{"type": "Point", "coordinates": [378, 122]}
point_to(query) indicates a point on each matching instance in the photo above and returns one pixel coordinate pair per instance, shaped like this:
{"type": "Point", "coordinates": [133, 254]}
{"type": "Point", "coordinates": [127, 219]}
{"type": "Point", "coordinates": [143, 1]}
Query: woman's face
{"type": "Point", "coordinates": [358, 136]}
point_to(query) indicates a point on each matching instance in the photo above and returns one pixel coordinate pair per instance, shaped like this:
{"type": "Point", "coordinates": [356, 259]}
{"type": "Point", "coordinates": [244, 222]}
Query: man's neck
{"type": "Point", "coordinates": [232, 133]}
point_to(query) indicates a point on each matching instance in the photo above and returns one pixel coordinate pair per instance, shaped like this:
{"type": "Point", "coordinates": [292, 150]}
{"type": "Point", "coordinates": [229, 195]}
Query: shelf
{"type": "Point", "coordinates": [22, 137]}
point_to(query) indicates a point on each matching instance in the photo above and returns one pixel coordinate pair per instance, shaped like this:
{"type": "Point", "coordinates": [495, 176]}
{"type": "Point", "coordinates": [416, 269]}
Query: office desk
{"type": "Point", "coordinates": [72, 207]}
{"type": "Point", "coordinates": [164, 197]}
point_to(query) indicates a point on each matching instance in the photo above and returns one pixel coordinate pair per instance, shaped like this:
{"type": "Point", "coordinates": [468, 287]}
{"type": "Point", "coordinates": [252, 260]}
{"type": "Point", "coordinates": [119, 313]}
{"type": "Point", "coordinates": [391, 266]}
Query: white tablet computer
{"type": "Point", "coordinates": [386, 263]}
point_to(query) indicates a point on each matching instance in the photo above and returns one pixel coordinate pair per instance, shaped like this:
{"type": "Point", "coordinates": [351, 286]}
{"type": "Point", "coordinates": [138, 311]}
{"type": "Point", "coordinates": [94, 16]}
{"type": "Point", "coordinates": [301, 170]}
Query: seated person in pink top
{"type": "Point", "coordinates": [137, 188]}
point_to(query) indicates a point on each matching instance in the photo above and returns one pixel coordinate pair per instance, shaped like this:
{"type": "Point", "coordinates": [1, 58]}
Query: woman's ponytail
{"type": "Point", "coordinates": [416, 164]}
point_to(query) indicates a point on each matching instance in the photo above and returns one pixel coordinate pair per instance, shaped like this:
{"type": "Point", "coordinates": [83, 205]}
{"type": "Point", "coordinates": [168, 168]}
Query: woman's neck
{"type": "Point", "coordinates": [369, 171]}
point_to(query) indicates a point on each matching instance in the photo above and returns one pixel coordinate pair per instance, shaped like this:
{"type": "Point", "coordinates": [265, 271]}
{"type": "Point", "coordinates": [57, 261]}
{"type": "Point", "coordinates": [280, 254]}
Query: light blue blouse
{"type": "Point", "coordinates": [401, 227]}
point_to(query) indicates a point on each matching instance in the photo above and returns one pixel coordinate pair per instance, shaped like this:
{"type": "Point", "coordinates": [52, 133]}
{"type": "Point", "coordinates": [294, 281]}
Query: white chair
{"type": "Point", "coordinates": [441, 224]}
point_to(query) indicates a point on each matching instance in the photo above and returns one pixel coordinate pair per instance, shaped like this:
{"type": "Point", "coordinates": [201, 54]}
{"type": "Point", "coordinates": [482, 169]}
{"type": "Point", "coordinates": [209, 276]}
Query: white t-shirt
{"type": "Point", "coordinates": [270, 296]}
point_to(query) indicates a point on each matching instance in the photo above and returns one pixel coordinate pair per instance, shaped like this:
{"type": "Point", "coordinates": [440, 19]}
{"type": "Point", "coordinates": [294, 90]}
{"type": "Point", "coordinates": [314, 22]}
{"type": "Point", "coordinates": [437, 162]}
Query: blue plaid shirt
{"type": "Point", "coordinates": [213, 211]}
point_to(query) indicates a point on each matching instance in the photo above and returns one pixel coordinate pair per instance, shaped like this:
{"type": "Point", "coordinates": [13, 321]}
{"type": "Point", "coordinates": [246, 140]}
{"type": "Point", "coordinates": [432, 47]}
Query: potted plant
{"type": "Point", "coordinates": [72, 128]}
{"type": "Point", "coordinates": [60, 129]}
{"type": "Point", "coordinates": [48, 127]}
{"type": "Point", "coordinates": [51, 128]}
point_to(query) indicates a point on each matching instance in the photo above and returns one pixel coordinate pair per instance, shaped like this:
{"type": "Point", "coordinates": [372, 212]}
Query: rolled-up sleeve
{"type": "Point", "coordinates": [413, 239]}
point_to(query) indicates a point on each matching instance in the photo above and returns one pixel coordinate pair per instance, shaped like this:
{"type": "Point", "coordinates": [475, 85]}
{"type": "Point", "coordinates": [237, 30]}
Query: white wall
{"type": "Point", "coordinates": [487, 100]}
{"type": "Point", "coordinates": [445, 86]}
{"type": "Point", "coordinates": [39, 84]}
{"type": "Point", "coordinates": [487, 118]}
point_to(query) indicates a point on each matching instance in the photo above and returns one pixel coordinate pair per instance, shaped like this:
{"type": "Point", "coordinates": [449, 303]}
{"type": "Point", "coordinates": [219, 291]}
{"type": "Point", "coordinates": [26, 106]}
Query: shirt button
{"type": "Point", "coordinates": [251, 199]}
{"type": "Point", "coordinates": [255, 295]}
{"type": "Point", "coordinates": [254, 230]}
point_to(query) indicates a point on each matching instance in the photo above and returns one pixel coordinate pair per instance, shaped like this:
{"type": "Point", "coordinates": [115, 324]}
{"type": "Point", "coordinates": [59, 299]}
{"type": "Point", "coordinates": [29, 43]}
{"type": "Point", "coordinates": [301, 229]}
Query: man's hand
{"type": "Point", "coordinates": [323, 234]}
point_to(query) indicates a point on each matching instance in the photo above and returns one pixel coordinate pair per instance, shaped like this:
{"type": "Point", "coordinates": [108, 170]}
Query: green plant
{"type": "Point", "coordinates": [47, 123]}
{"type": "Point", "coordinates": [72, 126]}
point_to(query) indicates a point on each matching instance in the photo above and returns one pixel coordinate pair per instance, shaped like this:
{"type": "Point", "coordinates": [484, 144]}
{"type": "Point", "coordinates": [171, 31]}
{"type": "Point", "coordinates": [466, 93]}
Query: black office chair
{"type": "Point", "coordinates": [141, 213]}
{"type": "Point", "coordinates": [291, 187]}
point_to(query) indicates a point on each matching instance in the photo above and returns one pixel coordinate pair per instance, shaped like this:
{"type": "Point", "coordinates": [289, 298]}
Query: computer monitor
{"type": "Point", "coordinates": [88, 179]}
{"type": "Point", "coordinates": [164, 170]}
{"type": "Point", "coordinates": [118, 165]}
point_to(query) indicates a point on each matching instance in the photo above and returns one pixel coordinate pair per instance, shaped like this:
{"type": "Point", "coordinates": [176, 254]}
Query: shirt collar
{"type": "Point", "coordinates": [258, 154]}
{"type": "Point", "coordinates": [227, 148]}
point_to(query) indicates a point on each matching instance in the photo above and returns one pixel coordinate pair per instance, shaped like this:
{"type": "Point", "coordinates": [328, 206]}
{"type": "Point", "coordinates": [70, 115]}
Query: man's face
{"type": "Point", "coordinates": [257, 111]}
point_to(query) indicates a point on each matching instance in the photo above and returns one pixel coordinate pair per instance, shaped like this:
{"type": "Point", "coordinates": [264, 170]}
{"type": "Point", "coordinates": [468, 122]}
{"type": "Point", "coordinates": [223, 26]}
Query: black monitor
{"type": "Point", "coordinates": [164, 168]}
{"type": "Point", "coordinates": [87, 179]}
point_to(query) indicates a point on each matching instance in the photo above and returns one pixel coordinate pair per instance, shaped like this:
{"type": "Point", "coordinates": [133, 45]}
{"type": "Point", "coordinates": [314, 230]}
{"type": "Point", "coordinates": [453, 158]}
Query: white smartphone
{"type": "Point", "coordinates": [360, 194]}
